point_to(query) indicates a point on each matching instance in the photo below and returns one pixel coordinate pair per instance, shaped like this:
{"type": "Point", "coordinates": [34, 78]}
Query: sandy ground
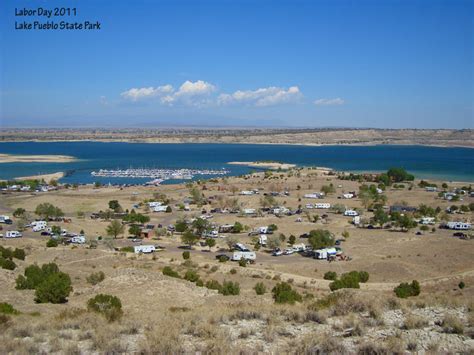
{"type": "Point", "coordinates": [265, 165]}
{"type": "Point", "coordinates": [13, 158]}
{"type": "Point", "coordinates": [46, 177]}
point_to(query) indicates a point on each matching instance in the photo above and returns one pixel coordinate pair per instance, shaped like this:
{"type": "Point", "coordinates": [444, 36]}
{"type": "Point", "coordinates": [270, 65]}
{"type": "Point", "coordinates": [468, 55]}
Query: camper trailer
{"type": "Point", "coordinates": [244, 255]}
{"type": "Point", "coordinates": [13, 234]}
{"type": "Point", "coordinates": [145, 249]}
{"type": "Point", "coordinates": [79, 239]}
{"type": "Point", "coordinates": [322, 254]}
{"type": "Point", "coordinates": [299, 247]}
{"type": "Point", "coordinates": [351, 213]}
{"type": "Point", "coordinates": [5, 219]}
{"type": "Point", "coordinates": [262, 240]}
{"type": "Point", "coordinates": [154, 204]}
{"type": "Point", "coordinates": [356, 220]}
{"type": "Point", "coordinates": [160, 208]}
{"type": "Point", "coordinates": [322, 205]}
{"type": "Point", "coordinates": [427, 220]}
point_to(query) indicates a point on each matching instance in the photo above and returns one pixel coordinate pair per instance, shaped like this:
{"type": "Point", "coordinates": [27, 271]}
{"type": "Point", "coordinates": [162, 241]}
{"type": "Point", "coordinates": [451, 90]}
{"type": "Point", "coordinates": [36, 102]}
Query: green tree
{"type": "Point", "coordinates": [180, 226]}
{"type": "Point", "coordinates": [268, 201]}
{"type": "Point", "coordinates": [230, 288]}
{"type": "Point", "coordinates": [54, 289]}
{"type": "Point", "coordinates": [237, 228]}
{"type": "Point", "coordinates": [115, 206]}
{"type": "Point", "coordinates": [189, 238]}
{"type": "Point", "coordinates": [115, 228]}
{"type": "Point", "coordinates": [292, 240]}
{"type": "Point", "coordinates": [19, 212]}
{"type": "Point", "coordinates": [320, 238]}
{"type": "Point", "coordinates": [201, 226]}
{"type": "Point", "coordinates": [405, 290]}
{"type": "Point", "coordinates": [52, 243]}
{"type": "Point", "coordinates": [399, 175]}
{"type": "Point", "coordinates": [210, 242]}
{"type": "Point", "coordinates": [134, 230]}
{"type": "Point", "coordinates": [380, 217]}
{"type": "Point", "coordinates": [56, 230]}
{"type": "Point", "coordinates": [46, 210]}
{"type": "Point", "coordinates": [328, 189]}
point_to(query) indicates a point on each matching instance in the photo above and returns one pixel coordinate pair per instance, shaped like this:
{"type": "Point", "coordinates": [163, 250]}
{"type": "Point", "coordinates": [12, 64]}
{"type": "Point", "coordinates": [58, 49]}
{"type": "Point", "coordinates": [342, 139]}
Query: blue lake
{"type": "Point", "coordinates": [453, 164]}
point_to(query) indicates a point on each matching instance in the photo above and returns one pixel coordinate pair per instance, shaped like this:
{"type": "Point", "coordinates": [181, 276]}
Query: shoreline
{"type": "Point", "coordinates": [149, 141]}
{"type": "Point", "coordinates": [30, 158]}
{"type": "Point", "coordinates": [46, 177]}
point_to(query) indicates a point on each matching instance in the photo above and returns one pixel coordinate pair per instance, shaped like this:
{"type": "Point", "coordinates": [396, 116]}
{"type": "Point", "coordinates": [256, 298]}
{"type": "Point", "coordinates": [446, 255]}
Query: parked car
{"type": "Point", "coordinates": [277, 252]}
{"type": "Point", "coordinates": [288, 251]}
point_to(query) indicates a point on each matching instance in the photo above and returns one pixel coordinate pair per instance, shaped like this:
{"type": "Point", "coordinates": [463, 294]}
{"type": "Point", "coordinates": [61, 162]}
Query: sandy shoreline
{"type": "Point", "coordinates": [46, 177]}
{"type": "Point", "coordinates": [266, 165]}
{"type": "Point", "coordinates": [13, 158]}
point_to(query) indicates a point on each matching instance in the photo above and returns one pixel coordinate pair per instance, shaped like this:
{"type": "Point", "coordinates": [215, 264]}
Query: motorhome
{"type": "Point", "coordinates": [226, 228]}
{"type": "Point", "coordinates": [351, 213]}
{"type": "Point", "coordinates": [145, 249]}
{"type": "Point", "coordinates": [13, 234]}
{"type": "Point", "coordinates": [154, 204]}
{"type": "Point", "coordinates": [244, 255]}
{"type": "Point", "coordinates": [314, 195]}
{"type": "Point", "coordinates": [458, 225]}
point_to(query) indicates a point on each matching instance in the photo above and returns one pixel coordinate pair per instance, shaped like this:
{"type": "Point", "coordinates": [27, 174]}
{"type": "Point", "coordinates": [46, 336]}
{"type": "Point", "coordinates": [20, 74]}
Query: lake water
{"type": "Point", "coordinates": [453, 164]}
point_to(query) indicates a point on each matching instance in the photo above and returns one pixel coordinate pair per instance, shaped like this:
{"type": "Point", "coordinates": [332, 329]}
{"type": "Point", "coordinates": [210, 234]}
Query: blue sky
{"type": "Point", "coordinates": [387, 64]}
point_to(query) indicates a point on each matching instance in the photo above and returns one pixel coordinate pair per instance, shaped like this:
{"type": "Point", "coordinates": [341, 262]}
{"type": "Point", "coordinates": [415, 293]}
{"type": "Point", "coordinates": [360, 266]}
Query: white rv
{"type": "Point", "coordinates": [299, 247]}
{"type": "Point", "coordinates": [322, 205]}
{"type": "Point", "coordinates": [154, 204]}
{"type": "Point", "coordinates": [264, 230]}
{"type": "Point", "coordinates": [145, 249]}
{"type": "Point", "coordinates": [458, 225]}
{"type": "Point", "coordinates": [13, 234]}
{"type": "Point", "coordinates": [351, 213]}
{"type": "Point", "coordinates": [160, 208]}
{"type": "Point", "coordinates": [262, 240]}
{"type": "Point", "coordinates": [348, 196]}
{"type": "Point", "coordinates": [244, 255]}
{"type": "Point", "coordinates": [324, 253]}
{"type": "Point", "coordinates": [249, 211]}
{"type": "Point", "coordinates": [427, 220]}
{"type": "Point", "coordinates": [356, 220]}
{"type": "Point", "coordinates": [78, 239]}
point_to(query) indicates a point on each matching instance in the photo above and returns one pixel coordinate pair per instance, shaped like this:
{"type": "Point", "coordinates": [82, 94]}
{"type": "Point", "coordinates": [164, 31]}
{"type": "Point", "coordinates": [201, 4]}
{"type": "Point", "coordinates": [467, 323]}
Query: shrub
{"type": "Point", "coordinates": [54, 289]}
{"type": "Point", "coordinates": [461, 285]}
{"type": "Point", "coordinates": [242, 262]}
{"type": "Point", "coordinates": [283, 293]}
{"type": "Point", "coordinates": [7, 264]}
{"type": "Point", "coordinates": [6, 253]}
{"type": "Point", "coordinates": [199, 283]}
{"type": "Point", "coordinates": [260, 288]}
{"type": "Point", "coordinates": [95, 278]}
{"type": "Point", "coordinates": [363, 276]}
{"type": "Point", "coordinates": [168, 271]}
{"type": "Point", "coordinates": [127, 249]}
{"type": "Point", "coordinates": [222, 259]}
{"type": "Point", "coordinates": [213, 285]}
{"type": "Point", "coordinates": [347, 280]}
{"type": "Point", "coordinates": [19, 254]}
{"type": "Point", "coordinates": [7, 308]}
{"type": "Point", "coordinates": [233, 271]}
{"type": "Point", "coordinates": [52, 243]}
{"type": "Point", "coordinates": [186, 255]}
{"type": "Point", "coordinates": [405, 290]}
{"type": "Point", "coordinates": [109, 306]}
{"type": "Point", "coordinates": [191, 275]}
{"type": "Point", "coordinates": [330, 275]}
{"type": "Point", "coordinates": [452, 324]}
{"type": "Point", "coordinates": [230, 288]}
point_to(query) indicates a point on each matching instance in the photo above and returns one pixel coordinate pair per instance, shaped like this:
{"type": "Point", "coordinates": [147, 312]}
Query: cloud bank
{"type": "Point", "coordinates": [329, 102]}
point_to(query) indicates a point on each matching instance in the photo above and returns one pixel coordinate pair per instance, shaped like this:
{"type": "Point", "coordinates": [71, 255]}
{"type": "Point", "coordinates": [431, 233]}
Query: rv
{"type": "Point", "coordinates": [79, 239]}
{"type": "Point", "coordinates": [249, 211]}
{"type": "Point", "coordinates": [13, 234]}
{"type": "Point", "coordinates": [145, 249]}
{"type": "Point", "coordinates": [309, 206]}
{"type": "Point", "coordinates": [458, 225]}
{"type": "Point", "coordinates": [264, 230]}
{"type": "Point", "coordinates": [351, 213]}
{"type": "Point", "coordinates": [431, 189]}
{"type": "Point", "coordinates": [154, 204]}
{"type": "Point", "coordinates": [244, 255]}
{"type": "Point", "coordinates": [299, 247]}
{"type": "Point", "coordinates": [314, 195]}
{"type": "Point", "coordinates": [160, 208]}
{"type": "Point", "coordinates": [324, 253]}
{"type": "Point", "coordinates": [356, 220]}
{"type": "Point", "coordinates": [348, 196]}
{"type": "Point", "coordinates": [427, 220]}
{"type": "Point", "coordinates": [226, 228]}
{"type": "Point", "coordinates": [262, 240]}
{"type": "Point", "coordinates": [322, 205]}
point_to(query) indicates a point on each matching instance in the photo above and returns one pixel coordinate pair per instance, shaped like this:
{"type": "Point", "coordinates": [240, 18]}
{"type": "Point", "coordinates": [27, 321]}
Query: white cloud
{"type": "Point", "coordinates": [261, 97]}
{"type": "Point", "coordinates": [329, 102]}
{"type": "Point", "coordinates": [201, 94]}
{"type": "Point", "coordinates": [189, 93]}
{"type": "Point", "coordinates": [135, 94]}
